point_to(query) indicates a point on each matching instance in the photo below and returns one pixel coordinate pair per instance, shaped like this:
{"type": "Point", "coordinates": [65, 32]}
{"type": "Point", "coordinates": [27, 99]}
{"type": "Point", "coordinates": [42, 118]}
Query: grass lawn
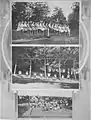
{"type": "Point", "coordinates": [37, 81]}
{"type": "Point", "coordinates": [26, 37]}
{"type": "Point", "coordinates": [24, 112]}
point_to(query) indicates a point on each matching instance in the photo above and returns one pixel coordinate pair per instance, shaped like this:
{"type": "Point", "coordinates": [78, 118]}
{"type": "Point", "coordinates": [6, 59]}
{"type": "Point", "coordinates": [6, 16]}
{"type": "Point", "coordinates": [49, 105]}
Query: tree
{"type": "Point", "coordinates": [23, 57]}
{"type": "Point", "coordinates": [18, 13]}
{"type": "Point", "coordinates": [58, 16]}
{"type": "Point", "coordinates": [40, 11]}
{"type": "Point", "coordinates": [16, 55]}
{"type": "Point", "coordinates": [40, 58]}
{"type": "Point", "coordinates": [28, 11]}
{"type": "Point", "coordinates": [71, 54]}
{"type": "Point", "coordinates": [23, 99]}
{"type": "Point", "coordinates": [73, 18]}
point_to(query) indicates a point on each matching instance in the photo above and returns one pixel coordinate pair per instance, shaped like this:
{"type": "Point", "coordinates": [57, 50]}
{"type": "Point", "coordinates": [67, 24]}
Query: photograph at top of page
{"type": "Point", "coordinates": [50, 22]}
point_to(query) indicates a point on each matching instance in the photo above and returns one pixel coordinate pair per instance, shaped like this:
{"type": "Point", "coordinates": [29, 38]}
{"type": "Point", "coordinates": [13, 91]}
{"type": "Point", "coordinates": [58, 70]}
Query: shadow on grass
{"type": "Point", "coordinates": [37, 80]}
{"type": "Point", "coordinates": [27, 37]}
{"type": "Point", "coordinates": [37, 112]}
{"type": "Point", "coordinates": [22, 109]}
{"type": "Point", "coordinates": [16, 35]}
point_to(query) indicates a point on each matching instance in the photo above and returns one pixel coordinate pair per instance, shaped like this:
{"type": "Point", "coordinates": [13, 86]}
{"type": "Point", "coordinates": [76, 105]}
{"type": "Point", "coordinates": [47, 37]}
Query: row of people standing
{"type": "Point", "coordinates": [65, 73]}
{"type": "Point", "coordinates": [42, 26]}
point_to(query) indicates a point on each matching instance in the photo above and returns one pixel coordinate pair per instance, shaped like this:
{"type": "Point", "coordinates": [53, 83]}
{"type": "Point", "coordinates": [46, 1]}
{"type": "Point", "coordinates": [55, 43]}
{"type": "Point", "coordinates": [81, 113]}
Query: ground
{"type": "Point", "coordinates": [28, 83]}
{"type": "Point", "coordinates": [37, 112]}
{"type": "Point", "coordinates": [26, 38]}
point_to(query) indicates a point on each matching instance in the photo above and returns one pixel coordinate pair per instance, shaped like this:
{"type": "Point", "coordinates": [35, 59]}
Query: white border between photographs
{"type": "Point", "coordinates": [47, 45]}
{"type": "Point", "coordinates": [43, 92]}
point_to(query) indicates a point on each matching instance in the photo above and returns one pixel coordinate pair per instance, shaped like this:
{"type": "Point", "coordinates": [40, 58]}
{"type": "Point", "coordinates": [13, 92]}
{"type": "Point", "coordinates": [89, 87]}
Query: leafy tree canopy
{"type": "Point", "coordinates": [58, 16]}
{"type": "Point", "coordinates": [53, 54]}
{"type": "Point", "coordinates": [32, 11]}
{"type": "Point", "coordinates": [73, 18]}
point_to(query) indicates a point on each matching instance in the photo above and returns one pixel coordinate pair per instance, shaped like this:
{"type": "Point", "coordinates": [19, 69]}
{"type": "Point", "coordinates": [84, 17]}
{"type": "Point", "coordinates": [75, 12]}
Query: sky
{"type": "Point", "coordinates": [65, 5]}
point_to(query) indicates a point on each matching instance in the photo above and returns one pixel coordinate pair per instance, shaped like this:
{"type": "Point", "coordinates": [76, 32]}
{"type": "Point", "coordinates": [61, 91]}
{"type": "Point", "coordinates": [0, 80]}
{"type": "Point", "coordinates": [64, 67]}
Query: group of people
{"type": "Point", "coordinates": [36, 27]}
{"type": "Point", "coordinates": [47, 103]}
{"type": "Point", "coordinates": [68, 73]}
{"type": "Point", "coordinates": [65, 73]}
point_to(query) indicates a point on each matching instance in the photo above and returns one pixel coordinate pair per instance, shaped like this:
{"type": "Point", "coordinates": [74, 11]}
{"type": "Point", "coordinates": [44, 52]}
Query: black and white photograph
{"type": "Point", "coordinates": [50, 22]}
{"type": "Point", "coordinates": [41, 106]}
{"type": "Point", "coordinates": [44, 67]}
{"type": "Point", "coordinates": [45, 59]}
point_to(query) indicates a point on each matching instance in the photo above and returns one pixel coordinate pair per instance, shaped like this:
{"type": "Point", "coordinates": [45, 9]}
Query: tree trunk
{"type": "Point", "coordinates": [45, 66]}
{"type": "Point", "coordinates": [74, 69]}
{"type": "Point", "coordinates": [75, 74]}
{"type": "Point", "coordinates": [30, 69]}
{"type": "Point", "coordinates": [59, 70]}
{"type": "Point", "coordinates": [15, 69]}
{"type": "Point", "coordinates": [48, 32]}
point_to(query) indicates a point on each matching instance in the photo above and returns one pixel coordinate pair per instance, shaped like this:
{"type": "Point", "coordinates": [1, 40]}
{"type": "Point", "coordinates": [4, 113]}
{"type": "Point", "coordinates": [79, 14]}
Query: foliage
{"type": "Point", "coordinates": [52, 55]}
{"type": "Point", "coordinates": [63, 102]}
{"type": "Point", "coordinates": [36, 12]}
{"type": "Point", "coordinates": [18, 13]}
{"type": "Point", "coordinates": [28, 11]}
{"type": "Point", "coordinates": [58, 16]}
{"type": "Point", "coordinates": [40, 11]}
{"type": "Point", "coordinates": [23, 99]}
{"type": "Point", "coordinates": [73, 18]}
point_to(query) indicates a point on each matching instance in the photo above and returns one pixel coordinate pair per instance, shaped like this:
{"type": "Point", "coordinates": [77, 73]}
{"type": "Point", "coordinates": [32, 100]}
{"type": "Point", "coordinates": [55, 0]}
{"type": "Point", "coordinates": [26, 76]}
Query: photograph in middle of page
{"type": "Point", "coordinates": [44, 67]}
